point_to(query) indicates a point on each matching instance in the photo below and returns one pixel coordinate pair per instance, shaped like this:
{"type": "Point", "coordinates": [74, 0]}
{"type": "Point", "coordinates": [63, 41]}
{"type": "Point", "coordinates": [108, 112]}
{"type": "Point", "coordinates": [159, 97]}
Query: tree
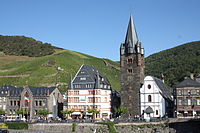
{"type": "Point", "coordinates": [93, 111]}
{"type": "Point", "coordinates": [43, 112]}
{"type": "Point", "coordinates": [2, 112]}
{"type": "Point", "coordinates": [21, 112]}
{"type": "Point", "coordinates": [121, 110]}
{"type": "Point", "coordinates": [67, 112]}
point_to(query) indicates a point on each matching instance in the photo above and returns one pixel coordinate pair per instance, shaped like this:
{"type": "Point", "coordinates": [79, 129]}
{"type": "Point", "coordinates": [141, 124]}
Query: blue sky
{"type": "Point", "coordinates": [98, 27]}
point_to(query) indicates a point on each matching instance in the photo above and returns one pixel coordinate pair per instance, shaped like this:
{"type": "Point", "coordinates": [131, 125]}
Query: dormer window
{"type": "Point", "coordinates": [82, 72]}
{"type": "Point", "coordinates": [83, 78]}
{"type": "Point", "coordinates": [102, 79]}
{"type": "Point", "coordinates": [1, 92]}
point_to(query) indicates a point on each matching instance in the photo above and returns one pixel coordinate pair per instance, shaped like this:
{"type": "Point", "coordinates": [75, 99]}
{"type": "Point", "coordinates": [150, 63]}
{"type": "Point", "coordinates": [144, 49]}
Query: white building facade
{"type": "Point", "coordinates": [155, 96]}
{"type": "Point", "coordinates": [89, 90]}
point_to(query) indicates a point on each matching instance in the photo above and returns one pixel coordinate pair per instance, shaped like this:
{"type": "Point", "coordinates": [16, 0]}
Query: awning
{"type": "Point", "coordinates": [149, 110]}
{"type": "Point", "coordinates": [76, 113]}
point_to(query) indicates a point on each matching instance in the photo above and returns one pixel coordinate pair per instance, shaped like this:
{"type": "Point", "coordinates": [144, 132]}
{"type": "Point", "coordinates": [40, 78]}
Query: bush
{"type": "Point", "coordinates": [17, 125]}
{"type": "Point", "coordinates": [74, 127]}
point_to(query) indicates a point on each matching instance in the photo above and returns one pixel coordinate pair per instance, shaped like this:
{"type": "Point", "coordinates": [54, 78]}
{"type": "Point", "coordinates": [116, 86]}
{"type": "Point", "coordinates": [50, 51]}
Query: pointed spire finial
{"type": "Point", "coordinates": [131, 35]}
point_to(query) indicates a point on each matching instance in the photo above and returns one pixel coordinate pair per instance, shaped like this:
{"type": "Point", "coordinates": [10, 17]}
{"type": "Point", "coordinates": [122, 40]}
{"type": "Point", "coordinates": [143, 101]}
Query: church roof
{"type": "Point", "coordinates": [165, 91]}
{"type": "Point", "coordinates": [131, 35]}
{"type": "Point", "coordinates": [188, 83]}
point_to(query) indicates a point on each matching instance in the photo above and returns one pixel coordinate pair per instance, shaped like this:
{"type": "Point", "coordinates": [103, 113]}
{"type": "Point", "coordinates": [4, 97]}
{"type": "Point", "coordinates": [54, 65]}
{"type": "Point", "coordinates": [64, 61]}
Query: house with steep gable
{"type": "Point", "coordinates": [156, 98]}
{"type": "Point", "coordinates": [89, 89]}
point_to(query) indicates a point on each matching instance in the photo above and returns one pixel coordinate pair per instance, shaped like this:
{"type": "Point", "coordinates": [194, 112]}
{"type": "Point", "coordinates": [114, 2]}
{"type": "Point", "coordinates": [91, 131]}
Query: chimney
{"type": "Point", "coordinates": [162, 78]}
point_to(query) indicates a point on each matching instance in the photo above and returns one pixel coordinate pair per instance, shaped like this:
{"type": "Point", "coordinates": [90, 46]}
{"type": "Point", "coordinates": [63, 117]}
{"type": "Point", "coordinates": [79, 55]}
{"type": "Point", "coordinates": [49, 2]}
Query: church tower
{"type": "Point", "coordinates": [132, 70]}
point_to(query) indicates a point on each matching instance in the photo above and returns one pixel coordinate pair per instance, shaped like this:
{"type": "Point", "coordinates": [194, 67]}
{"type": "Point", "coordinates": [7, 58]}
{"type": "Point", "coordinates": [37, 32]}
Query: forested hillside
{"type": "Point", "coordinates": [175, 63]}
{"type": "Point", "coordinates": [56, 68]}
{"type": "Point", "coordinates": [24, 46]}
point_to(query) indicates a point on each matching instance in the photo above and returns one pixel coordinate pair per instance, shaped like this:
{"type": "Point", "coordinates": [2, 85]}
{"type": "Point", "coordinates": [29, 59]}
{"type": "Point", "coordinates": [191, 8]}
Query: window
{"type": "Point", "coordinates": [105, 86]}
{"type": "Point", "coordinates": [76, 99]}
{"type": "Point", "coordinates": [36, 103]}
{"type": "Point", "coordinates": [76, 92]}
{"type": "Point", "coordinates": [156, 112]}
{"type": "Point", "coordinates": [82, 72]}
{"type": "Point", "coordinates": [36, 112]}
{"type": "Point", "coordinates": [179, 102]}
{"type": "Point", "coordinates": [90, 99]}
{"type": "Point", "coordinates": [83, 78]}
{"type": "Point", "coordinates": [198, 101]}
{"type": "Point", "coordinates": [189, 93]}
{"type": "Point", "coordinates": [11, 103]}
{"type": "Point", "coordinates": [179, 92]}
{"type": "Point", "coordinates": [149, 98]}
{"type": "Point", "coordinates": [130, 70]}
{"type": "Point", "coordinates": [105, 99]}
{"type": "Point", "coordinates": [40, 103]}
{"type": "Point", "coordinates": [129, 60]}
{"type": "Point", "coordinates": [15, 103]}
{"type": "Point", "coordinates": [193, 92]}
{"type": "Point", "coordinates": [189, 101]}
{"type": "Point", "coordinates": [149, 86]}
{"type": "Point", "coordinates": [91, 92]}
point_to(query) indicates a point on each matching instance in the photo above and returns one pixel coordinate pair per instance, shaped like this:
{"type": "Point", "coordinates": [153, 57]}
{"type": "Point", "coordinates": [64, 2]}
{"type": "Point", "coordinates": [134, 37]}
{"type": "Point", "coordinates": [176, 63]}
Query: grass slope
{"type": "Point", "coordinates": [42, 71]}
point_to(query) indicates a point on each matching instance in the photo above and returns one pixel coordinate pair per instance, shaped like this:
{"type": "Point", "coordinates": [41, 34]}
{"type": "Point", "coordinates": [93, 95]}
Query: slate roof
{"type": "Point", "coordinates": [131, 34]}
{"type": "Point", "coordinates": [165, 92]}
{"type": "Point", "coordinates": [90, 73]}
{"type": "Point", "coordinates": [41, 91]}
{"type": "Point", "coordinates": [188, 83]}
{"type": "Point", "coordinates": [13, 91]}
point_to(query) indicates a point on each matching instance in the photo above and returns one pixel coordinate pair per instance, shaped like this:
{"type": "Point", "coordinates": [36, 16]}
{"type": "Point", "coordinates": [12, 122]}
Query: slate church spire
{"type": "Point", "coordinates": [131, 44]}
{"type": "Point", "coordinates": [131, 35]}
{"type": "Point", "coordinates": [132, 70]}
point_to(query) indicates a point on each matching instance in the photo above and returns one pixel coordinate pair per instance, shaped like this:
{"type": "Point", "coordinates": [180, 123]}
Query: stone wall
{"type": "Point", "coordinates": [99, 128]}
{"type": "Point", "coordinates": [67, 127]}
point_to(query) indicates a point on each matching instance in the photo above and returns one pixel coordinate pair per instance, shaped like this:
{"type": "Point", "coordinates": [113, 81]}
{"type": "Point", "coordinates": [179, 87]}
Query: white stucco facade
{"type": "Point", "coordinates": [151, 95]}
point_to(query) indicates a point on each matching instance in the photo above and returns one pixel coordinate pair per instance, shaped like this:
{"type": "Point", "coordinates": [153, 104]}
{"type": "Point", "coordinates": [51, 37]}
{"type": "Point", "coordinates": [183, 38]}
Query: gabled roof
{"type": "Point", "coordinates": [188, 83]}
{"type": "Point", "coordinates": [90, 74]}
{"type": "Point", "coordinates": [131, 35]}
{"type": "Point", "coordinates": [165, 91]}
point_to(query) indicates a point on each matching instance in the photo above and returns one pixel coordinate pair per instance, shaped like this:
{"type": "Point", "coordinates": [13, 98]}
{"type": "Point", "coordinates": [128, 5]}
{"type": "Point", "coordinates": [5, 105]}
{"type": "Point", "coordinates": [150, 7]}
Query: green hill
{"type": "Point", "coordinates": [57, 66]}
{"type": "Point", "coordinates": [24, 46]}
{"type": "Point", "coordinates": [52, 69]}
{"type": "Point", "coordinates": [175, 63]}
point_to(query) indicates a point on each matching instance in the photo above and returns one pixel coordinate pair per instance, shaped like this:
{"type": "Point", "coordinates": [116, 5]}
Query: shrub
{"type": "Point", "coordinates": [74, 127]}
{"type": "Point", "coordinates": [17, 125]}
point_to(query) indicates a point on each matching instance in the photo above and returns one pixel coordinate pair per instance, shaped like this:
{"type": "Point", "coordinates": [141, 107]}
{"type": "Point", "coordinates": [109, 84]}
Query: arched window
{"type": "Point", "coordinates": [149, 86]}
{"type": "Point", "coordinates": [149, 98]}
